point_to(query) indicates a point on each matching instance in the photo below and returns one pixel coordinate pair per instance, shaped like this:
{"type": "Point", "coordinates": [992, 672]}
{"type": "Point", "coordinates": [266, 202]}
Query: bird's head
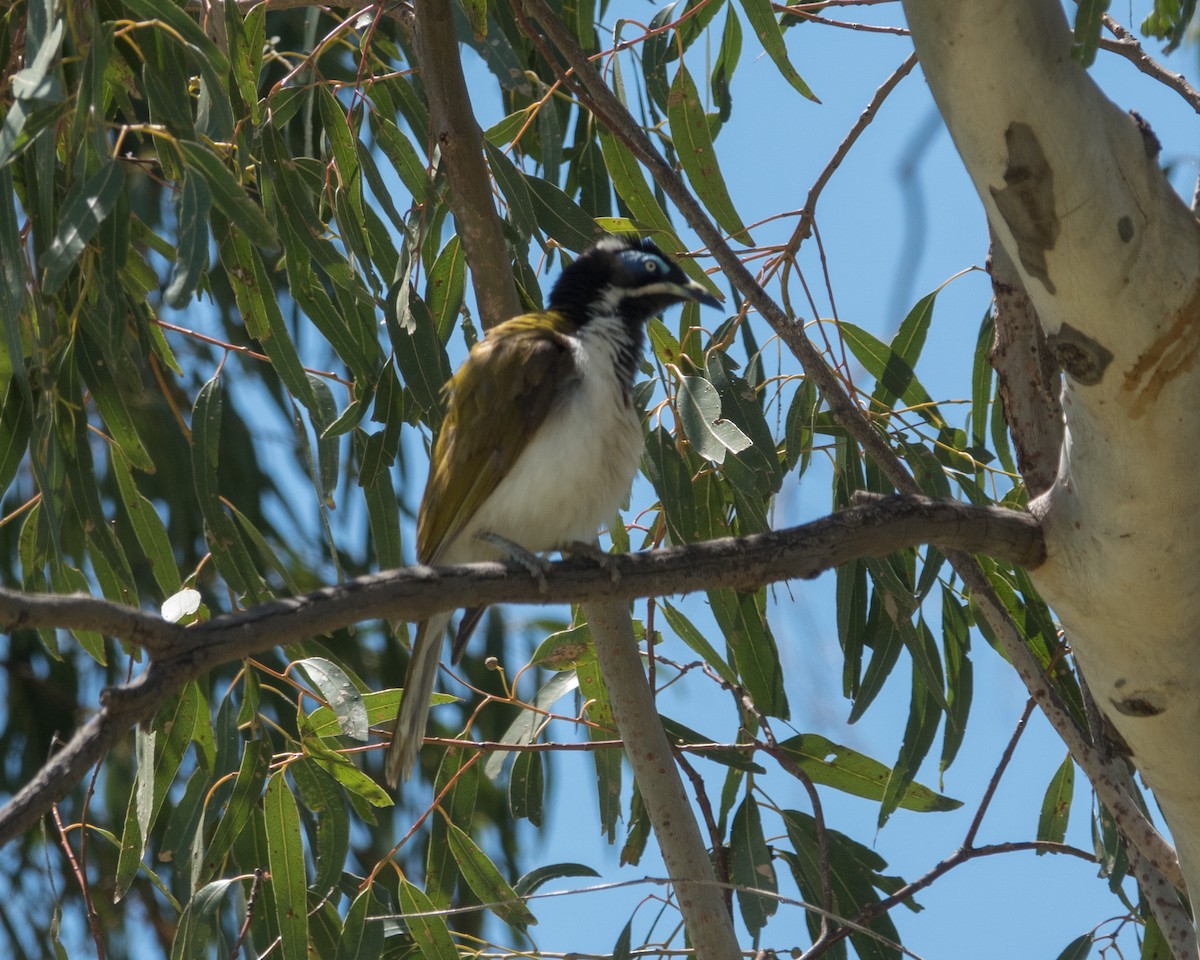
{"type": "Point", "coordinates": [624, 275]}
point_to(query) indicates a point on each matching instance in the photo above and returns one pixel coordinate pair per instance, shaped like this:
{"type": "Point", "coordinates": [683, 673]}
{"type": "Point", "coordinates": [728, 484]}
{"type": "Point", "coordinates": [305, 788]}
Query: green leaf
{"type": "Point", "coordinates": [198, 920]}
{"type": "Point", "coordinates": [427, 928]}
{"type": "Point", "coordinates": [689, 634]}
{"type": "Point", "coordinates": [560, 217]}
{"type": "Point", "coordinates": [894, 374]}
{"type": "Point", "coordinates": [191, 261]}
{"type": "Point", "coordinates": [285, 855]}
{"type": "Point", "coordinates": [486, 882]}
{"type": "Point", "coordinates": [752, 867]}
{"type": "Point", "coordinates": [741, 618]}
{"type": "Point", "coordinates": [1077, 949]}
{"type": "Point", "coordinates": [700, 413]}
{"type": "Point", "coordinates": [183, 24]}
{"type": "Point", "coordinates": [1056, 804]}
{"type": "Point", "coordinates": [672, 480]}
{"type": "Point", "coordinates": [849, 771]}
{"type": "Point", "coordinates": [457, 786]}
{"type": "Point", "coordinates": [956, 652]}
{"type": "Point", "coordinates": [727, 59]}
{"type": "Point", "coordinates": [924, 716]}
{"type": "Point", "coordinates": [247, 789]}
{"type": "Point", "coordinates": [147, 525]}
{"type": "Point", "coordinates": [340, 693]}
{"type": "Point", "coordinates": [420, 354]}
{"type": "Point", "coordinates": [409, 167]}
{"type": "Point", "coordinates": [322, 795]}
{"type": "Point", "coordinates": [260, 309]}
{"type": "Point", "coordinates": [608, 762]}
{"type": "Point", "coordinates": [694, 147]}
{"type": "Point", "coordinates": [535, 878]}
{"type": "Point", "coordinates": [855, 873]}
{"type": "Point", "coordinates": [1089, 21]}
{"type": "Point", "coordinates": [526, 787]}
{"type": "Point", "coordinates": [109, 395]}
{"type": "Point", "coordinates": [16, 427]}
{"type": "Point", "coordinates": [362, 936]}
{"type": "Point", "coordinates": [446, 286]}
{"type": "Point", "coordinates": [513, 187]}
{"type": "Point", "coordinates": [766, 28]}
{"type": "Point", "coordinates": [87, 204]}
{"type": "Point", "coordinates": [228, 195]}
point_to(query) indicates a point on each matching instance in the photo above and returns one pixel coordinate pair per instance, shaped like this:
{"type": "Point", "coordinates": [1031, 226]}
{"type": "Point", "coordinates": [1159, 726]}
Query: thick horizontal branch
{"type": "Point", "coordinates": [414, 593]}
{"type": "Point", "coordinates": [182, 654]}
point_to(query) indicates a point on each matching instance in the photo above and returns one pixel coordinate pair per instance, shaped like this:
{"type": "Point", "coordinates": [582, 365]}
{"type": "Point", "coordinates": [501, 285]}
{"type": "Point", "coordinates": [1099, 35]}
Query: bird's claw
{"type": "Point", "coordinates": [536, 565]}
{"type": "Point", "coordinates": [602, 559]}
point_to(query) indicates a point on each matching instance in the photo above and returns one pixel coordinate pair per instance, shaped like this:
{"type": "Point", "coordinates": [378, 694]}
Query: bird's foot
{"type": "Point", "coordinates": [536, 565]}
{"type": "Point", "coordinates": [592, 550]}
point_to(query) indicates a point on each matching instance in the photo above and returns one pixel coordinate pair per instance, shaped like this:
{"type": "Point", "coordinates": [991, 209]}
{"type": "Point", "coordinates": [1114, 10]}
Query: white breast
{"type": "Point", "coordinates": [576, 470]}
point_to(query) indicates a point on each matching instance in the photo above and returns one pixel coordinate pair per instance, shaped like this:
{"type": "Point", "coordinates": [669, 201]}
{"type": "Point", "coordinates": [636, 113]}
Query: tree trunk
{"type": "Point", "coordinates": [1109, 255]}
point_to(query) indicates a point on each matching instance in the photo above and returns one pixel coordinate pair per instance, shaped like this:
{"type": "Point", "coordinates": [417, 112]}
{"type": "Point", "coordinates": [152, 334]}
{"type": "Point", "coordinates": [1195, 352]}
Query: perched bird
{"type": "Point", "coordinates": [541, 439]}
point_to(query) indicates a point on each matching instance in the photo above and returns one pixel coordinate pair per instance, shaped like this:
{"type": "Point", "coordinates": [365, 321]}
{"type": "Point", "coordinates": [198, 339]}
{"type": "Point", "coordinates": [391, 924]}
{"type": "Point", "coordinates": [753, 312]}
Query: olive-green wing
{"type": "Point", "coordinates": [494, 404]}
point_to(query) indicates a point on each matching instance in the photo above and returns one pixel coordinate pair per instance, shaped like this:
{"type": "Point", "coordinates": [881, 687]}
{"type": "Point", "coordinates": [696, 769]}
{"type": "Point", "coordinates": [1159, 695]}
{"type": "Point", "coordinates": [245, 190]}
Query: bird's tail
{"type": "Point", "coordinates": [409, 732]}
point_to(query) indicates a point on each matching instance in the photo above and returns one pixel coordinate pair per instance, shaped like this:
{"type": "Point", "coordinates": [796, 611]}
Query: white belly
{"type": "Point", "coordinates": [575, 472]}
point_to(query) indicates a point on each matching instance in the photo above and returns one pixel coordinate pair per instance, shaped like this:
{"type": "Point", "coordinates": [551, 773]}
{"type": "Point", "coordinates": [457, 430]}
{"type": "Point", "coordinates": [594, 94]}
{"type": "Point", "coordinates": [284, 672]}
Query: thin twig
{"type": "Point", "coordinates": [1128, 46]}
{"type": "Point", "coordinates": [81, 879]}
{"type": "Point", "coordinates": [1005, 757]}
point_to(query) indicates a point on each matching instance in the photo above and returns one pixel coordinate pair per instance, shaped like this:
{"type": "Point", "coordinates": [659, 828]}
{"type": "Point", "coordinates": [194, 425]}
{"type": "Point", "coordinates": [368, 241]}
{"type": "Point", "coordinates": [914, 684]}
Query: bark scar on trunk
{"type": "Point", "coordinates": [1170, 354]}
{"type": "Point", "coordinates": [1027, 200]}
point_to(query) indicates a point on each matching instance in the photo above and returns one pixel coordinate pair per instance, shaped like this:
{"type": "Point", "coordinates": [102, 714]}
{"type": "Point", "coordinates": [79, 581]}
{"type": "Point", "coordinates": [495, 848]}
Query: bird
{"type": "Point", "coordinates": [540, 440]}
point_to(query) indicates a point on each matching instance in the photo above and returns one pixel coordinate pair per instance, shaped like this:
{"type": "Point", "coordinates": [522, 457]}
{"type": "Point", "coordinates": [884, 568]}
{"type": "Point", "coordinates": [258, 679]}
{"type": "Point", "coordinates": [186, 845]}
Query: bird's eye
{"type": "Point", "coordinates": [651, 266]}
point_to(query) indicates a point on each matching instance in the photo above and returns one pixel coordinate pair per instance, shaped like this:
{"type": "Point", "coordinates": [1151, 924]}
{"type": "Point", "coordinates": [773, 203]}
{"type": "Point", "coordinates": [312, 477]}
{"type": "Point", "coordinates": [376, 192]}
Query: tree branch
{"type": "Point", "coordinates": [180, 654]}
{"type": "Point", "coordinates": [460, 141]}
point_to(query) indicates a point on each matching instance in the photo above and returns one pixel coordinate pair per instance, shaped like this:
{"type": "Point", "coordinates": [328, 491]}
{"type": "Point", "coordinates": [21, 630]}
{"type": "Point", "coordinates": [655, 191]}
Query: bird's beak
{"type": "Point", "coordinates": [698, 292]}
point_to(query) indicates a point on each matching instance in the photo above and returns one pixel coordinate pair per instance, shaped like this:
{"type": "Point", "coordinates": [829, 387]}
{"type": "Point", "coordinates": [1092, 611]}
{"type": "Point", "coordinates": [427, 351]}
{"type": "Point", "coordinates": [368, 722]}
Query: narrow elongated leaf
{"type": "Point", "coordinates": [740, 616]}
{"type": "Point", "coordinates": [535, 878]}
{"type": "Point", "coordinates": [694, 147]}
{"type": "Point", "coordinates": [560, 217]}
{"type": "Point", "coordinates": [766, 28]}
{"type": "Point", "coordinates": [247, 789]}
{"type": "Point", "coordinates": [446, 286]}
{"type": "Point", "coordinates": [285, 854]}
{"type": "Point", "coordinates": [191, 261]}
{"type": "Point", "coordinates": [184, 25]}
{"type": "Point", "coordinates": [147, 525]}
{"type": "Point", "coordinates": [228, 195]}
{"type": "Point", "coordinates": [891, 370]}
{"type": "Point", "coordinates": [321, 794]}
{"type": "Point", "coordinates": [849, 771]}
{"type": "Point", "coordinates": [526, 787]}
{"type": "Point", "coordinates": [86, 206]}
{"type": "Point", "coordinates": [1077, 949]}
{"type": "Point", "coordinates": [923, 718]}
{"type": "Point", "coordinates": [1056, 804]}
{"type": "Point", "coordinates": [752, 867]}
{"type": "Point", "coordinates": [457, 784]}
{"type": "Point", "coordinates": [694, 638]}
{"type": "Point", "coordinates": [486, 881]}
{"type": "Point", "coordinates": [425, 926]}
{"type": "Point", "coordinates": [361, 937]}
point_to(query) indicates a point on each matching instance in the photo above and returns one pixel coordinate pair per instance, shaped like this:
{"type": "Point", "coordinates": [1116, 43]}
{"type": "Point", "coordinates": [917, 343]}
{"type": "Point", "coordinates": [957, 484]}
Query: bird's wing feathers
{"type": "Point", "coordinates": [513, 374]}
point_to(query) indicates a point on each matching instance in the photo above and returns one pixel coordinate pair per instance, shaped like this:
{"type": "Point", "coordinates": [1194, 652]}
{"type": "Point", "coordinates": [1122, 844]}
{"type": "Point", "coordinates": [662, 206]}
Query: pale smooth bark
{"type": "Point", "coordinates": [1110, 256]}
